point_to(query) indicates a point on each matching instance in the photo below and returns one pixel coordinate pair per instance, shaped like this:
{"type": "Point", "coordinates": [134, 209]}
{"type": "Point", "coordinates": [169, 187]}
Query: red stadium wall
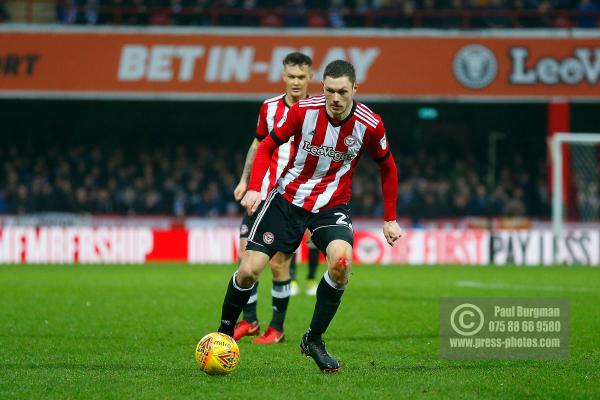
{"type": "Point", "coordinates": [219, 245]}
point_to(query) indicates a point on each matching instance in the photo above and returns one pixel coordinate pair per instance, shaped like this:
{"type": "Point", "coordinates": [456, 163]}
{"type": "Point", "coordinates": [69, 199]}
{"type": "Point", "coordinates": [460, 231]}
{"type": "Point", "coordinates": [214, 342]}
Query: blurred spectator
{"type": "Point", "coordinates": [478, 203]}
{"type": "Point", "coordinates": [544, 19]}
{"type": "Point", "coordinates": [249, 19]}
{"type": "Point", "coordinates": [408, 8]}
{"type": "Point", "coordinates": [199, 14]}
{"type": "Point", "coordinates": [295, 14]}
{"type": "Point", "coordinates": [161, 16]}
{"type": "Point", "coordinates": [225, 18]}
{"type": "Point", "coordinates": [3, 203]}
{"type": "Point", "coordinates": [139, 13]}
{"type": "Point", "coordinates": [337, 9]}
{"type": "Point", "coordinates": [430, 21]}
{"type": "Point", "coordinates": [67, 12]}
{"type": "Point", "coordinates": [196, 180]}
{"type": "Point", "coordinates": [588, 7]}
{"type": "Point", "coordinates": [176, 7]}
{"type": "Point", "coordinates": [384, 17]}
{"type": "Point", "coordinates": [441, 14]}
{"type": "Point", "coordinates": [3, 13]}
{"type": "Point", "coordinates": [454, 21]}
{"type": "Point", "coordinates": [91, 12]}
{"type": "Point", "coordinates": [515, 206]}
{"type": "Point", "coordinates": [500, 19]}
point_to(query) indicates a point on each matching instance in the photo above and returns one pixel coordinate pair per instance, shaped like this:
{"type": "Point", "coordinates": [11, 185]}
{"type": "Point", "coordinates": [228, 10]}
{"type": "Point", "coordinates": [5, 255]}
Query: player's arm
{"type": "Point", "coordinates": [262, 131]}
{"type": "Point", "coordinates": [380, 151]}
{"type": "Point", "coordinates": [283, 131]}
{"type": "Point", "coordinates": [240, 189]}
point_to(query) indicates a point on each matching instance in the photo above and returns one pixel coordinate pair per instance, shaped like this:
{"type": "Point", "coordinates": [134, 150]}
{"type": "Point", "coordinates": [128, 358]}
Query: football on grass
{"type": "Point", "coordinates": [217, 354]}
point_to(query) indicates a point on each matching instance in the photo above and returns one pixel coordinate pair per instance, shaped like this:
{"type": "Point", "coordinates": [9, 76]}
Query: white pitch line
{"type": "Point", "coordinates": [499, 285]}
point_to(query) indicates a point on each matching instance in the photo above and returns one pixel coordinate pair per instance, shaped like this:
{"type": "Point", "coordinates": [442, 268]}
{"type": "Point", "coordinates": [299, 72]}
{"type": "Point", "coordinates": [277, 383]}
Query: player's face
{"type": "Point", "coordinates": [339, 93]}
{"type": "Point", "coordinates": [296, 79]}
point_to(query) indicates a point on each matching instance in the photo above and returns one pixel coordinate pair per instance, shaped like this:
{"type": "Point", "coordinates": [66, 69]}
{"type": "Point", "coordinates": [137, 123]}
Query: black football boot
{"type": "Point", "coordinates": [316, 350]}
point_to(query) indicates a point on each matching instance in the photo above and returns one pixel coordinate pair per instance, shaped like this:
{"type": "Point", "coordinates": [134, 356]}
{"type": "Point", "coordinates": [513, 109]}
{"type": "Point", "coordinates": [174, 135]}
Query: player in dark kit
{"type": "Point", "coordinates": [330, 134]}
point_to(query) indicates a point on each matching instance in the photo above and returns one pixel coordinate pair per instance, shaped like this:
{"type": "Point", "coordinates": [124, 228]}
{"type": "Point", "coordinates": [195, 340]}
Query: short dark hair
{"type": "Point", "coordinates": [339, 68]}
{"type": "Point", "coordinates": [297, 58]}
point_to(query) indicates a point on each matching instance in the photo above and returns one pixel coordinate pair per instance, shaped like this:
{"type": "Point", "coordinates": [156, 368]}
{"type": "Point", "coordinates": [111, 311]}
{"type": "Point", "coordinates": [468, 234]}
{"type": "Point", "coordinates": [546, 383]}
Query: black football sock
{"type": "Point", "coordinates": [293, 268]}
{"type": "Point", "coordinates": [313, 262]}
{"type": "Point", "coordinates": [250, 307]}
{"type": "Point", "coordinates": [281, 299]}
{"type": "Point", "coordinates": [235, 298]}
{"type": "Point", "coordinates": [329, 296]}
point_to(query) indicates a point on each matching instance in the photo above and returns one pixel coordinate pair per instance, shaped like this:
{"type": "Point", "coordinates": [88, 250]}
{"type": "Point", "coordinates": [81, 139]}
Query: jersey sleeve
{"type": "Point", "coordinates": [262, 130]}
{"type": "Point", "coordinates": [288, 126]}
{"type": "Point", "coordinates": [378, 146]}
{"type": "Point", "coordinates": [260, 165]}
{"type": "Point", "coordinates": [379, 149]}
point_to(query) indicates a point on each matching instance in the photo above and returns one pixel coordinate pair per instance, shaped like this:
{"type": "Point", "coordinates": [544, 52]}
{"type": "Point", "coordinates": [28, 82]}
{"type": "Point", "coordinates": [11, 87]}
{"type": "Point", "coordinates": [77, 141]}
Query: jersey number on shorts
{"type": "Point", "coordinates": [342, 220]}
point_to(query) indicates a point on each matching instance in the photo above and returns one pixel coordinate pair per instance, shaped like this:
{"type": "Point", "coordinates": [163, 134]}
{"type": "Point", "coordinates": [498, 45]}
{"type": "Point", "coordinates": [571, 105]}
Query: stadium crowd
{"type": "Point", "coordinates": [199, 181]}
{"type": "Point", "coordinates": [331, 13]}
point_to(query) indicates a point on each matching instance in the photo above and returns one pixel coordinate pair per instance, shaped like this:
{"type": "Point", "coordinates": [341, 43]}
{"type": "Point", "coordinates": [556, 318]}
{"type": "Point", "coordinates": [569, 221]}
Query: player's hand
{"type": "Point", "coordinates": [240, 190]}
{"type": "Point", "coordinates": [251, 201]}
{"type": "Point", "coordinates": [391, 231]}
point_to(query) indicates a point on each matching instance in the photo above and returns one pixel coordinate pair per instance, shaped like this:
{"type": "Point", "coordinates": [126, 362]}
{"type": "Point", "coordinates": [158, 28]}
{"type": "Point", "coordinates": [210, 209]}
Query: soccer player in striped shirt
{"type": "Point", "coordinates": [296, 75]}
{"type": "Point", "coordinates": [330, 134]}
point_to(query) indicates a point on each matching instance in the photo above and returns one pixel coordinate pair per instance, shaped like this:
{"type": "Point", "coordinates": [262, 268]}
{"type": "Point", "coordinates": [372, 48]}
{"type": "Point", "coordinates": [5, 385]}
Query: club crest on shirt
{"type": "Point", "coordinates": [268, 237]}
{"type": "Point", "coordinates": [350, 141]}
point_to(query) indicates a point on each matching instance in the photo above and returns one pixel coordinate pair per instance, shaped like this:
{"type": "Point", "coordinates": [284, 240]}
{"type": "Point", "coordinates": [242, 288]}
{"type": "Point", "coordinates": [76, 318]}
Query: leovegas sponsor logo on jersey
{"type": "Point", "coordinates": [168, 63]}
{"type": "Point", "coordinates": [326, 151]}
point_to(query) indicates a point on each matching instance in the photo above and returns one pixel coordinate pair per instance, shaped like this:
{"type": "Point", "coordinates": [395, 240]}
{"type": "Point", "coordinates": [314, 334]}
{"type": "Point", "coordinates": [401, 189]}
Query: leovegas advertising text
{"type": "Point", "coordinates": [228, 64]}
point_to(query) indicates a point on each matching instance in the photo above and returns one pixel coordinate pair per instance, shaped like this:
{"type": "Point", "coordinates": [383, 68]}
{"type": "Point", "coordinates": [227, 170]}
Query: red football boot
{"type": "Point", "coordinates": [271, 336]}
{"type": "Point", "coordinates": [245, 328]}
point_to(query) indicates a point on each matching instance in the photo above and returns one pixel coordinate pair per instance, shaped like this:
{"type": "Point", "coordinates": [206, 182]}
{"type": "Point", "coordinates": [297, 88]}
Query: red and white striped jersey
{"type": "Point", "coordinates": [272, 111]}
{"type": "Point", "coordinates": [325, 152]}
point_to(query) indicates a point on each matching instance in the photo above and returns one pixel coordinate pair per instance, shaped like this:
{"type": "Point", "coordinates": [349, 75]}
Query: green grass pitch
{"type": "Point", "coordinates": [125, 332]}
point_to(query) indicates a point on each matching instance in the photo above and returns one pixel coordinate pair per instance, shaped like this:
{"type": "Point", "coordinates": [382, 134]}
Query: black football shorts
{"type": "Point", "coordinates": [280, 226]}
